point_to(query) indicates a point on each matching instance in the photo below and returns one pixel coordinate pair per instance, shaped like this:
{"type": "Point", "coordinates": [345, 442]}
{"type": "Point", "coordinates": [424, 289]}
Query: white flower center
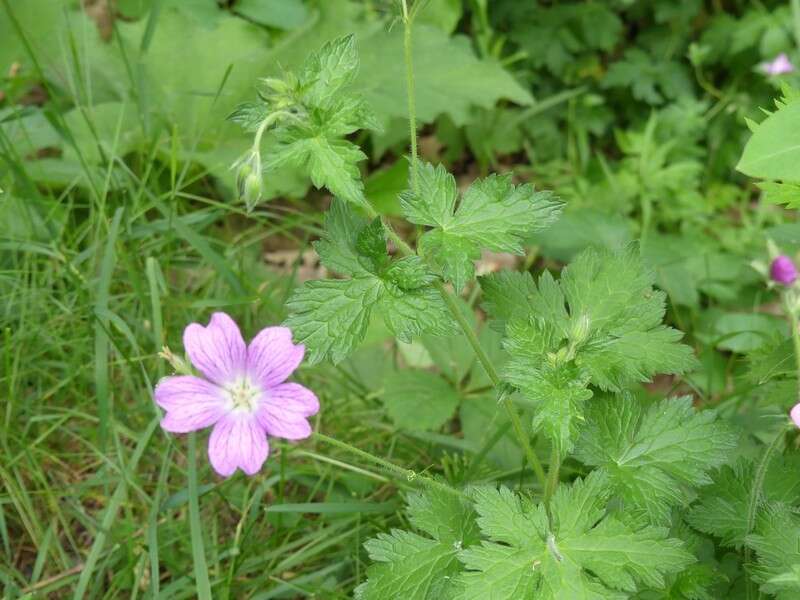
{"type": "Point", "coordinates": [243, 395]}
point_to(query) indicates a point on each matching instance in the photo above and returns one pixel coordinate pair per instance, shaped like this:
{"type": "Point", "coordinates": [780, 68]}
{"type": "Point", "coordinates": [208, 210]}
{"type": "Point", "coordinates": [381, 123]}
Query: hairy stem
{"type": "Point", "coordinates": [763, 465]}
{"type": "Point", "coordinates": [552, 476]}
{"type": "Point", "coordinates": [447, 296]}
{"type": "Point", "coordinates": [486, 363]}
{"type": "Point", "coordinates": [412, 103]}
{"type": "Point", "coordinates": [268, 121]}
{"type": "Point", "coordinates": [755, 497]}
{"type": "Point", "coordinates": [793, 322]}
{"type": "Point", "coordinates": [408, 474]}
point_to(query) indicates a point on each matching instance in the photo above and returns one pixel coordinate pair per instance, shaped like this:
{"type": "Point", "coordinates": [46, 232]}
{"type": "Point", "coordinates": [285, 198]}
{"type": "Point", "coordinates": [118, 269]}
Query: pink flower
{"type": "Point", "coordinates": [782, 270]}
{"type": "Point", "coordinates": [778, 66]}
{"type": "Point", "coordinates": [243, 395]}
{"type": "Point", "coordinates": [795, 414]}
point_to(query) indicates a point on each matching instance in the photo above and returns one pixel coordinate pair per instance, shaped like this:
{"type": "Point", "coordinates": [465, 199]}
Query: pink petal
{"type": "Point", "coordinates": [283, 411]}
{"type": "Point", "coordinates": [795, 414]}
{"type": "Point", "coordinates": [779, 66]}
{"type": "Point", "coordinates": [272, 357]}
{"type": "Point", "coordinates": [237, 441]}
{"type": "Point", "coordinates": [217, 351]}
{"type": "Point", "coordinates": [191, 403]}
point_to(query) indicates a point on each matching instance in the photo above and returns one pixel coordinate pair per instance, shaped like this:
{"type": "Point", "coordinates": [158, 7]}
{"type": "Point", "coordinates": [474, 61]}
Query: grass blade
{"type": "Point", "coordinates": [195, 530]}
{"type": "Point", "coordinates": [111, 513]}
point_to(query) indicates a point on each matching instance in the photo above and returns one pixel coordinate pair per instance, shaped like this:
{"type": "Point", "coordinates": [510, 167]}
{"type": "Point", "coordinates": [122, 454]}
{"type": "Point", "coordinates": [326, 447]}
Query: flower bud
{"type": "Point", "coordinates": [275, 84]}
{"type": "Point", "coordinates": [783, 271]}
{"type": "Point", "coordinates": [251, 191]}
{"type": "Point", "coordinates": [248, 178]}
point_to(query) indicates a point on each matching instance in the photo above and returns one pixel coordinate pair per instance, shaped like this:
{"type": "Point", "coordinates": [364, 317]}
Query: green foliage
{"type": "Point", "coordinates": [419, 400]}
{"type": "Point", "coordinates": [772, 152]}
{"type": "Point", "coordinates": [654, 458]}
{"type": "Point", "coordinates": [555, 36]}
{"type": "Point", "coordinates": [412, 566]}
{"type": "Point", "coordinates": [586, 553]}
{"type": "Point", "coordinates": [453, 84]}
{"type": "Point", "coordinates": [330, 316]}
{"type": "Point", "coordinates": [650, 80]}
{"type": "Point", "coordinates": [599, 325]}
{"type": "Point", "coordinates": [118, 227]}
{"type": "Point", "coordinates": [581, 550]}
{"type": "Point", "coordinates": [312, 113]}
{"type": "Point", "coordinates": [722, 504]}
{"type": "Point", "coordinates": [493, 214]}
{"type": "Point", "coordinates": [777, 569]}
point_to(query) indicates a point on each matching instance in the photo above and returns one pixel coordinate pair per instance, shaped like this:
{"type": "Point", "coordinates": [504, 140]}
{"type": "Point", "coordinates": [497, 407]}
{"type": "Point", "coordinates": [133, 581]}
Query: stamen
{"type": "Point", "coordinates": [243, 395]}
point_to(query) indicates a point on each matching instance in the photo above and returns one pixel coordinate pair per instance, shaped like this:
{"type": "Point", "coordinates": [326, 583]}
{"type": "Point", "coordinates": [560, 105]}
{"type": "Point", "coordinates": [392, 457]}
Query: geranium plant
{"type": "Point", "coordinates": [647, 491]}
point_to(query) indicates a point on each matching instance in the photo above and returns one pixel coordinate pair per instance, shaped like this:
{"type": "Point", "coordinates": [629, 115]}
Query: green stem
{"type": "Point", "coordinates": [409, 474]}
{"type": "Point", "coordinates": [198, 551]}
{"type": "Point", "coordinates": [552, 476]}
{"type": "Point", "coordinates": [412, 103]}
{"type": "Point", "coordinates": [763, 465]}
{"type": "Point", "coordinates": [795, 325]}
{"type": "Point", "coordinates": [265, 124]}
{"type": "Point", "coordinates": [522, 437]}
{"type": "Point", "coordinates": [755, 496]}
{"type": "Point", "coordinates": [486, 363]}
{"type": "Point", "coordinates": [447, 296]}
{"type": "Point", "coordinates": [480, 353]}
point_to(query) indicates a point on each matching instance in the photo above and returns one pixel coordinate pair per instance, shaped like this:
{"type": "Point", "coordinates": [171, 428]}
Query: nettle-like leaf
{"type": "Point", "coordinates": [313, 113]}
{"type": "Point", "coordinates": [492, 214]}
{"type": "Point", "coordinates": [772, 152]}
{"type": "Point", "coordinates": [723, 505]}
{"type": "Point", "coordinates": [587, 554]}
{"type": "Point", "coordinates": [775, 542]}
{"type": "Point", "coordinates": [249, 115]}
{"type": "Point", "coordinates": [700, 580]}
{"type": "Point", "coordinates": [330, 163]}
{"type": "Point", "coordinates": [330, 316]}
{"type": "Point", "coordinates": [599, 325]}
{"type": "Point", "coordinates": [410, 565]}
{"type": "Point", "coordinates": [653, 456]}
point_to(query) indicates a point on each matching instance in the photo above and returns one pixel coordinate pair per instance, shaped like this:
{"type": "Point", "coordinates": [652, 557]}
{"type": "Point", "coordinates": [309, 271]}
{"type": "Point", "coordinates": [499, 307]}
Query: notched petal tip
{"type": "Point", "coordinates": [284, 411]}
{"type": "Point", "coordinates": [218, 350]}
{"type": "Point", "coordinates": [272, 356]}
{"type": "Point", "coordinates": [237, 442]}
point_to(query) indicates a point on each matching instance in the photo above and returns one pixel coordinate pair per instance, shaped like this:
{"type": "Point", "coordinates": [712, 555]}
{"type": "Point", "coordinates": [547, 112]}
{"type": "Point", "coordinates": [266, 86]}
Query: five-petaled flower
{"type": "Point", "coordinates": [243, 393]}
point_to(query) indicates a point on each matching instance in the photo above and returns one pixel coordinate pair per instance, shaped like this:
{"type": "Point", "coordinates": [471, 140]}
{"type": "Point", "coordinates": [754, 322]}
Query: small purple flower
{"type": "Point", "coordinates": [778, 66]}
{"type": "Point", "coordinates": [243, 394]}
{"type": "Point", "coordinates": [782, 270]}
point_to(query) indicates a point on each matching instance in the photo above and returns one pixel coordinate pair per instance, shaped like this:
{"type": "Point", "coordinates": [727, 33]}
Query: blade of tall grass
{"type": "Point", "coordinates": [196, 531]}
{"type": "Point", "coordinates": [101, 340]}
{"type": "Point", "coordinates": [111, 512]}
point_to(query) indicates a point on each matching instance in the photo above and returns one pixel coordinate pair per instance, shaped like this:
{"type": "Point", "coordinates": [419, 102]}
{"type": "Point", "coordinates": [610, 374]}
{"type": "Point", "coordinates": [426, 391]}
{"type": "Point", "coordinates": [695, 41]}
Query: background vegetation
{"type": "Point", "coordinates": [120, 223]}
